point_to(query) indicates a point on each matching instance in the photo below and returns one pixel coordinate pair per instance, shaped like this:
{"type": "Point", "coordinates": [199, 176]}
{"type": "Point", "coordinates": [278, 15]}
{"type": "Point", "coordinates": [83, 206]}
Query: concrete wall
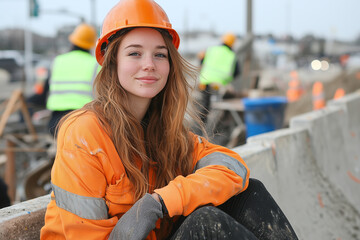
{"type": "Point", "coordinates": [312, 169]}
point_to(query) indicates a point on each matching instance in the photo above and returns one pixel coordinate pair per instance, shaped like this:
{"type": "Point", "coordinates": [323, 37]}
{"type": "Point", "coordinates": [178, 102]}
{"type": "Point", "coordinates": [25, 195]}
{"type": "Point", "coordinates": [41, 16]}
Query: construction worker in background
{"type": "Point", "coordinates": [339, 93]}
{"type": "Point", "coordinates": [127, 164]}
{"type": "Point", "coordinates": [318, 97]}
{"type": "Point", "coordinates": [36, 102]}
{"type": "Point", "coordinates": [295, 90]}
{"type": "Point", "coordinates": [219, 68]}
{"type": "Point", "coordinates": [72, 75]}
{"type": "Point", "coordinates": [40, 90]}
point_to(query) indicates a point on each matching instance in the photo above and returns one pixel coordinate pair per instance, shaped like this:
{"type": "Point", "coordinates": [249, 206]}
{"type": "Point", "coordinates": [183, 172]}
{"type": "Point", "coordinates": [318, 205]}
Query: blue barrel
{"type": "Point", "coordinates": [264, 114]}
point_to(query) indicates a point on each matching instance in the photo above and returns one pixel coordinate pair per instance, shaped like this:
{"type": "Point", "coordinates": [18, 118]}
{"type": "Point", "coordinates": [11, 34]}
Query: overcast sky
{"type": "Point", "coordinates": [331, 19]}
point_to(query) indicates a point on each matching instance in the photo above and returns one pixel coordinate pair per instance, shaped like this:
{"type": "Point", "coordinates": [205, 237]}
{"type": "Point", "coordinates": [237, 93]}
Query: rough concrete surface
{"type": "Point", "coordinates": [333, 139]}
{"type": "Point", "coordinates": [24, 220]}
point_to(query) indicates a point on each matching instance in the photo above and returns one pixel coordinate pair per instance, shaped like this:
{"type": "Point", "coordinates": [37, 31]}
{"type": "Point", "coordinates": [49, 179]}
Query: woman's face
{"type": "Point", "coordinates": [143, 63]}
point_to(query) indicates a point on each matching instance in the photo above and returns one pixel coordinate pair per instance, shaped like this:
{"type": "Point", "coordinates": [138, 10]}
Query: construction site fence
{"type": "Point", "coordinates": [312, 169]}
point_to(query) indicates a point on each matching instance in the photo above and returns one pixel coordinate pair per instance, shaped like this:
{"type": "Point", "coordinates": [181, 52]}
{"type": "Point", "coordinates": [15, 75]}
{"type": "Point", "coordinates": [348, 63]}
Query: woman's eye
{"type": "Point", "coordinates": [161, 55]}
{"type": "Point", "coordinates": [134, 54]}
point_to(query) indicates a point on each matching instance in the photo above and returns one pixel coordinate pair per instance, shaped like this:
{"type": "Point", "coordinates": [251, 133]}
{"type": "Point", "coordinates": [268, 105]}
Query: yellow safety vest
{"type": "Point", "coordinates": [218, 65]}
{"type": "Point", "coordinates": [71, 81]}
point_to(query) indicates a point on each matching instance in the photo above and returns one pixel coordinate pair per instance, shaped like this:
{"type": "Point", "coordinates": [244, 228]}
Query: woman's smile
{"type": "Point", "coordinates": [147, 79]}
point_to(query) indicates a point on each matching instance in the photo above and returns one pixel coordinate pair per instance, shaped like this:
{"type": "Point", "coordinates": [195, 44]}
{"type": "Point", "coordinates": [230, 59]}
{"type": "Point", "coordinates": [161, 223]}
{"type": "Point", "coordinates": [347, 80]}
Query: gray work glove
{"type": "Point", "coordinates": [137, 223]}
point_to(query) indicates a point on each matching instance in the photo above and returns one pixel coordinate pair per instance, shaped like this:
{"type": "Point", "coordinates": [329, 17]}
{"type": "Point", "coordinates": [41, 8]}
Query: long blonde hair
{"type": "Point", "coordinates": [166, 143]}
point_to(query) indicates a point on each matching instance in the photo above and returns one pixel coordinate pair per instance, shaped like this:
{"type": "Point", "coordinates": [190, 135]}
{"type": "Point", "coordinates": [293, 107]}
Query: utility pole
{"type": "Point", "coordinates": [28, 56]}
{"type": "Point", "coordinates": [249, 17]}
{"type": "Point", "coordinates": [33, 8]}
{"type": "Point", "coordinates": [249, 37]}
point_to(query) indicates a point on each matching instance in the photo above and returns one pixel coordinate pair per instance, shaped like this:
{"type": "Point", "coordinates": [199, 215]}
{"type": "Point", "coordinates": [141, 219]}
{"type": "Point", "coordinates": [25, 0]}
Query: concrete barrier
{"type": "Point", "coordinates": [24, 220]}
{"type": "Point", "coordinates": [312, 169]}
{"type": "Point", "coordinates": [335, 136]}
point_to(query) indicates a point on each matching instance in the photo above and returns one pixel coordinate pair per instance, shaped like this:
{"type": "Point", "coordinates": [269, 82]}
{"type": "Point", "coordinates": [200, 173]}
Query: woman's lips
{"type": "Point", "coordinates": [147, 79]}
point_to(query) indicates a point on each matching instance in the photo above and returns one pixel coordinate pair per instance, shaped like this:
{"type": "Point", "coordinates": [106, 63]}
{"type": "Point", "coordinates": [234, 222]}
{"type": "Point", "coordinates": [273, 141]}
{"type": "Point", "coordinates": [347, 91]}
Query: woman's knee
{"type": "Point", "coordinates": [211, 223]}
{"type": "Point", "coordinates": [255, 184]}
{"type": "Point", "coordinates": [207, 213]}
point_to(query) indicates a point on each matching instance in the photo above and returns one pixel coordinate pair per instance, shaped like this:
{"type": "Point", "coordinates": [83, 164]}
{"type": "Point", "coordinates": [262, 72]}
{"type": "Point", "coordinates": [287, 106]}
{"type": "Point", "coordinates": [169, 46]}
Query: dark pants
{"type": "Point", "coordinates": [253, 214]}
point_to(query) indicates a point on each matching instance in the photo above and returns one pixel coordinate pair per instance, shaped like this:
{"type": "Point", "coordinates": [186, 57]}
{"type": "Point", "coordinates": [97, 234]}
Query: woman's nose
{"type": "Point", "coordinates": [149, 64]}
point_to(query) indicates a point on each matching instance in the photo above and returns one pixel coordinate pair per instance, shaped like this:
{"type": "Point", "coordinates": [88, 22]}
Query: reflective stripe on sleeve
{"type": "Point", "coordinates": [84, 207]}
{"type": "Point", "coordinates": [218, 158]}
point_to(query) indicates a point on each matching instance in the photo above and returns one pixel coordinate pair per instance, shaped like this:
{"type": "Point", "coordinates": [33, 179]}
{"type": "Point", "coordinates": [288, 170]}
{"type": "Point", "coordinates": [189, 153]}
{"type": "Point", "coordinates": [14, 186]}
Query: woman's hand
{"type": "Point", "coordinates": [139, 220]}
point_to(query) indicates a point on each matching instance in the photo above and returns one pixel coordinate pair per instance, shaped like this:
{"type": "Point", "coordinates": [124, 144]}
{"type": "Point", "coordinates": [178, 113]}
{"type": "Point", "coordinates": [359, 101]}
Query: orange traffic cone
{"type": "Point", "coordinates": [295, 90]}
{"type": "Point", "coordinates": [340, 92]}
{"type": "Point", "coordinates": [318, 97]}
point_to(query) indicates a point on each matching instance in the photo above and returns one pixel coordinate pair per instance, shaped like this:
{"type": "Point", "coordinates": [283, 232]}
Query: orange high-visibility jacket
{"type": "Point", "coordinates": [91, 190]}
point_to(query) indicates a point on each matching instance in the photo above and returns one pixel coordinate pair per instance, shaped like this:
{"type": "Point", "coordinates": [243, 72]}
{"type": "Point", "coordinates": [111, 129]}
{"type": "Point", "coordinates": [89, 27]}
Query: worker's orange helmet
{"type": "Point", "coordinates": [229, 39]}
{"type": "Point", "coordinates": [83, 36]}
{"type": "Point", "coordinates": [133, 13]}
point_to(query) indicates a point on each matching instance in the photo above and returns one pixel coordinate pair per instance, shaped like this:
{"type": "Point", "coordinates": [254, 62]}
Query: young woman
{"type": "Point", "coordinates": [127, 164]}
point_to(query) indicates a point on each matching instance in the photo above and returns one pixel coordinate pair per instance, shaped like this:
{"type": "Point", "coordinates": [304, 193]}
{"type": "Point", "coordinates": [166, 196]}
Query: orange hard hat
{"type": "Point", "coordinates": [229, 39]}
{"type": "Point", "coordinates": [83, 36]}
{"type": "Point", "coordinates": [133, 13]}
